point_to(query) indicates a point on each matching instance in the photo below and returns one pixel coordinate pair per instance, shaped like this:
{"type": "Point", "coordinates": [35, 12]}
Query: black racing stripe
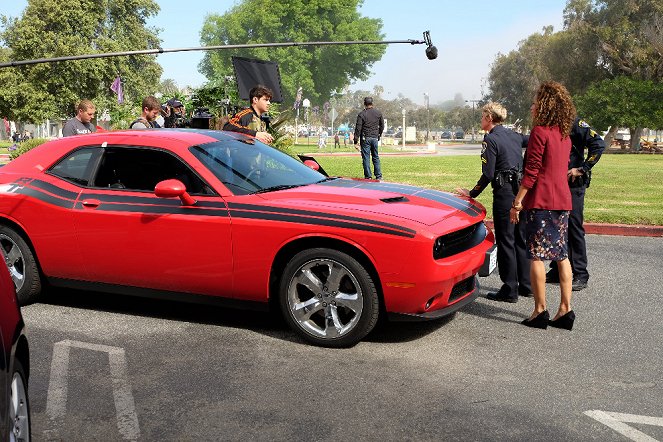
{"type": "Point", "coordinates": [455, 202]}
{"type": "Point", "coordinates": [179, 210]}
{"type": "Point", "coordinates": [239, 206]}
{"type": "Point", "coordinates": [316, 221]}
{"type": "Point", "coordinates": [130, 199]}
{"type": "Point", "coordinates": [434, 195]}
{"type": "Point", "coordinates": [55, 190]}
{"type": "Point", "coordinates": [45, 197]}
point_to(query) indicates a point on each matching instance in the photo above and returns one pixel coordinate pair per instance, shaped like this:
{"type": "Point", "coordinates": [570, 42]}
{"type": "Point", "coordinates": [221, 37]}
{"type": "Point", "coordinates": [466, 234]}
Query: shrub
{"type": "Point", "coordinates": [25, 146]}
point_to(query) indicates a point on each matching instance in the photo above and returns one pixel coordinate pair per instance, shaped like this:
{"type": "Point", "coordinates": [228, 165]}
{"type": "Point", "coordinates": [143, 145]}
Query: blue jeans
{"type": "Point", "coordinates": [369, 148]}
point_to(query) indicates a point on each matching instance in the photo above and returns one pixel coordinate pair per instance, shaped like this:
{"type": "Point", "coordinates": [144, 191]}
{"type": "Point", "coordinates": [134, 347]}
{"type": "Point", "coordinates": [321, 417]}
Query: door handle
{"type": "Point", "coordinates": [91, 203]}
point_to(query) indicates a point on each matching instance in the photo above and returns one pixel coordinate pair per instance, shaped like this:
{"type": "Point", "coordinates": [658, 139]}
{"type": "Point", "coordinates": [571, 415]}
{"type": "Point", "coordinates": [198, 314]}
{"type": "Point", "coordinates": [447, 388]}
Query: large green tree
{"type": "Point", "coordinates": [56, 28]}
{"type": "Point", "coordinates": [624, 102]}
{"type": "Point", "coordinates": [514, 77]}
{"type": "Point", "coordinates": [319, 70]}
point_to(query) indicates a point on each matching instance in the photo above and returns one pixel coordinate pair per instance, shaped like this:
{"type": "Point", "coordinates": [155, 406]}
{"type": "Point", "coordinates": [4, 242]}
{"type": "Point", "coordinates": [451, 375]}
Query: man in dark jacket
{"type": "Point", "coordinates": [368, 129]}
{"type": "Point", "coordinates": [579, 175]}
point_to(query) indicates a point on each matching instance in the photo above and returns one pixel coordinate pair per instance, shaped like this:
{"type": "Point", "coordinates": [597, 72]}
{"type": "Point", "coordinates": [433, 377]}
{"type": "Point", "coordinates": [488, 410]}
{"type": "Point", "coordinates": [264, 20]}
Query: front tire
{"type": "Point", "coordinates": [21, 264]}
{"type": "Point", "coordinates": [19, 406]}
{"type": "Point", "coordinates": [328, 297]}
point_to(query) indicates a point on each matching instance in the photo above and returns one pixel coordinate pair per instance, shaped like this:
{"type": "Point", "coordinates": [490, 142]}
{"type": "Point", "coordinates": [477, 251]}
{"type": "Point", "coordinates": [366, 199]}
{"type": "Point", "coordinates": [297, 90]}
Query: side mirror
{"type": "Point", "coordinates": [174, 189]}
{"type": "Point", "coordinates": [312, 164]}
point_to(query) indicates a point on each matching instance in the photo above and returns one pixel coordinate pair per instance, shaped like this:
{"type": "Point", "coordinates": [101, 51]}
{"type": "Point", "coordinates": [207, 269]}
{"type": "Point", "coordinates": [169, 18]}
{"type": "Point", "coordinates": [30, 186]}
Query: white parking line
{"type": "Point", "coordinates": [56, 402]}
{"type": "Point", "coordinates": [616, 422]}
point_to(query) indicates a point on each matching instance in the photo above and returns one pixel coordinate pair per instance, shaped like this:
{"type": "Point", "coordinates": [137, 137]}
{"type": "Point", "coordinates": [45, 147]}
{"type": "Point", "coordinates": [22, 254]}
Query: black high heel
{"type": "Point", "coordinates": [564, 321]}
{"type": "Point", "coordinates": [540, 321]}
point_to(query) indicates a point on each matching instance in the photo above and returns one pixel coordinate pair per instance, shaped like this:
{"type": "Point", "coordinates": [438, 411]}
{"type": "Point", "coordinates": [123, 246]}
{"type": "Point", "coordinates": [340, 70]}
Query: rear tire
{"type": "Point", "coordinates": [22, 265]}
{"type": "Point", "coordinates": [328, 298]}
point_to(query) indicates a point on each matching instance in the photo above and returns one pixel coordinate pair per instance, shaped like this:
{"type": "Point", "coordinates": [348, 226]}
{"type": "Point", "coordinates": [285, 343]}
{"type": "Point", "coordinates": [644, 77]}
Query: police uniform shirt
{"type": "Point", "coordinates": [500, 151]}
{"type": "Point", "coordinates": [583, 136]}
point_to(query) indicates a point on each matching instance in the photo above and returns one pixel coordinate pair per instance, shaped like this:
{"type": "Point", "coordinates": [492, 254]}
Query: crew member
{"type": "Point", "coordinates": [248, 121]}
{"type": "Point", "coordinates": [148, 118]}
{"type": "Point", "coordinates": [82, 122]}
{"type": "Point", "coordinates": [501, 166]}
{"type": "Point", "coordinates": [579, 175]}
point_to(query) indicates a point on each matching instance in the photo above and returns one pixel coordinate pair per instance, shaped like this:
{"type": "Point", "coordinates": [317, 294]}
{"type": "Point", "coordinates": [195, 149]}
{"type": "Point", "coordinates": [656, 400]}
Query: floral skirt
{"type": "Point", "coordinates": [547, 232]}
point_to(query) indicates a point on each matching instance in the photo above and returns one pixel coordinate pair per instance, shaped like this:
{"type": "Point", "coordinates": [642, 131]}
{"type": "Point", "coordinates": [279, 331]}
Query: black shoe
{"type": "Point", "coordinates": [525, 293]}
{"type": "Point", "coordinates": [578, 285]}
{"type": "Point", "coordinates": [498, 296]}
{"type": "Point", "coordinates": [565, 321]}
{"type": "Point", "coordinates": [541, 320]}
{"type": "Point", "coordinates": [552, 277]}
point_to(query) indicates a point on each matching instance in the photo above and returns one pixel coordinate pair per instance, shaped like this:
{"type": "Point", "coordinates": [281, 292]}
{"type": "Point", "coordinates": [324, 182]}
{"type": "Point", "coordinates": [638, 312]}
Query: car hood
{"type": "Point", "coordinates": [416, 204]}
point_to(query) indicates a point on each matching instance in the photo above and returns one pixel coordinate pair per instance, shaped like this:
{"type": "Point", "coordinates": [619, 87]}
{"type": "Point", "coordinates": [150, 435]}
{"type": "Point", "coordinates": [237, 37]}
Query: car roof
{"type": "Point", "coordinates": [175, 140]}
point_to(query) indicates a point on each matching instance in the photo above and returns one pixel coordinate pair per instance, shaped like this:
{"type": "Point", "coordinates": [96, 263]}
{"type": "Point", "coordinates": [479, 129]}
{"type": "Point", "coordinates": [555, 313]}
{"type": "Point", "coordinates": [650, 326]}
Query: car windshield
{"type": "Point", "coordinates": [254, 168]}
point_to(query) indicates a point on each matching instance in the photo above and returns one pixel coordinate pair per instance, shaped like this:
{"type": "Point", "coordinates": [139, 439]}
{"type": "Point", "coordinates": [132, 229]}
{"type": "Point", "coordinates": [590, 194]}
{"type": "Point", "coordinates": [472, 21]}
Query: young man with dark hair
{"type": "Point", "coordinates": [248, 121]}
{"type": "Point", "coordinates": [151, 110]}
{"type": "Point", "coordinates": [82, 122]}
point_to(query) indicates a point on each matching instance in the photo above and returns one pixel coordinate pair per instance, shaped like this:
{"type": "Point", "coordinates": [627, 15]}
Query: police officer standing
{"type": "Point", "coordinates": [502, 164]}
{"type": "Point", "coordinates": [579, 175]}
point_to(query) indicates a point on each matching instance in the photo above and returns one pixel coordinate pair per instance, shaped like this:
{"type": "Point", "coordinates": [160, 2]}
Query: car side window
{"type": "Point", "coordinates": [140, 169]}
{"type": "Point", "coordinates": [76, 166]}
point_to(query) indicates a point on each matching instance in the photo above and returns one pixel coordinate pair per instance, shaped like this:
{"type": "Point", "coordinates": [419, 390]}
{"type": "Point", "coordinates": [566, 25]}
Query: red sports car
{"type": "Point", "coordinates": [214, 216]}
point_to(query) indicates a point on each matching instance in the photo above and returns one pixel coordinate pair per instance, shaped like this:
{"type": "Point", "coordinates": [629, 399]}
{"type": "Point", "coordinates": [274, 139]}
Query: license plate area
{"type": "Point", "coordinates": [489, 262]}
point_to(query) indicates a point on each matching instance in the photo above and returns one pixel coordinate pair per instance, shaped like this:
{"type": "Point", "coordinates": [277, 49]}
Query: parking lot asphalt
{"type": "Point", "coordinates": [113, 368]}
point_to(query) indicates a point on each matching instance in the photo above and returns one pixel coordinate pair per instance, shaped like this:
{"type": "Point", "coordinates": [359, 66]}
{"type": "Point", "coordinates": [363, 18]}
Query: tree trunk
{"type": "Point", "coordinates": [610, 136]}
{"type": "Point", "coordinates": [635, 138]}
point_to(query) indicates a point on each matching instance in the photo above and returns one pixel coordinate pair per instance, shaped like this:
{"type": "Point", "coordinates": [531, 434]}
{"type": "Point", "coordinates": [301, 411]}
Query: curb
{"type": "Point", "coordinates": [615, 229]}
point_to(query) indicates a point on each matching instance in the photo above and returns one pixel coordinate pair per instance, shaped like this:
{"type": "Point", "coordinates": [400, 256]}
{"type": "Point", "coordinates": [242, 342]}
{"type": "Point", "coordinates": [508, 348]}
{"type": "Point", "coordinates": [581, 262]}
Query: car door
{"type": "Point", "coordinates": [130, 237]}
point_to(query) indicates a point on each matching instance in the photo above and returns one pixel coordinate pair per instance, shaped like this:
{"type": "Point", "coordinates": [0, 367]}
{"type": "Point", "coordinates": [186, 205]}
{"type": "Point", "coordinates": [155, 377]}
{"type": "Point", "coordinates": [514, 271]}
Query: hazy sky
{"type": "Point", "coordinates": [468, 37]}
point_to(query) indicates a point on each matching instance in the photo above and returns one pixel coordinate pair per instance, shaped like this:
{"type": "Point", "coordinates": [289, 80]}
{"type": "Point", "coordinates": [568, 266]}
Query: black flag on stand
{"type": "Point", "coordinates": [250, 72]}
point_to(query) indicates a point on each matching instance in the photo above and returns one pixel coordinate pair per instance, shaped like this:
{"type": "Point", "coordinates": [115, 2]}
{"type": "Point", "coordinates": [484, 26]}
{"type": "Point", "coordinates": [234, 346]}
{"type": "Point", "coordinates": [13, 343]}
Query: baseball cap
{"type": "Point", "coordinates": [174, 102]}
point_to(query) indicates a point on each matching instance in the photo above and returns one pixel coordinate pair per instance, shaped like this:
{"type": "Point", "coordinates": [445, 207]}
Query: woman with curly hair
{"type": "Point", "coordinates": [544, 194]}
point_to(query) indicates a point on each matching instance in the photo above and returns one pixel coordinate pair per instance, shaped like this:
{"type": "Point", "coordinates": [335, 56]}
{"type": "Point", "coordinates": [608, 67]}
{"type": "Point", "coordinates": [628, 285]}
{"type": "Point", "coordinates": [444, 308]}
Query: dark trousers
{"type": "Point", "coordinates": [576, 241]}
{"type": "Point", "coordinates": [512, 262]}
{"type": "Point", "coordinates": [369, 150]}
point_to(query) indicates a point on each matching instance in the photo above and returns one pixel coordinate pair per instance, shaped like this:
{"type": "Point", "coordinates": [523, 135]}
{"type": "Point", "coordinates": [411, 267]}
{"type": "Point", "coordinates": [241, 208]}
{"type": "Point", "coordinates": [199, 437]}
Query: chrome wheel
{"type": "Point", "coordinates": [325, 298]}
{"type": "Point", "coordinates": [19, 413]}
{"type": "Point", "coordinates": [14, 260]}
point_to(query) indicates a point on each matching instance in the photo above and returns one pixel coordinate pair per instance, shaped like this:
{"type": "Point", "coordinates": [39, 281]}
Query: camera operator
{"type": "Point", "coordinates": [174, 115]}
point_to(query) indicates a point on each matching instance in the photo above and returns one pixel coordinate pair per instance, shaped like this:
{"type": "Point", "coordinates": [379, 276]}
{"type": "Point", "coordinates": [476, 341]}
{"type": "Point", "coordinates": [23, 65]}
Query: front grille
{"type": "Point", "coordinates": [462, 288]}
{"type": "Point", "coordinates": [459, 241]}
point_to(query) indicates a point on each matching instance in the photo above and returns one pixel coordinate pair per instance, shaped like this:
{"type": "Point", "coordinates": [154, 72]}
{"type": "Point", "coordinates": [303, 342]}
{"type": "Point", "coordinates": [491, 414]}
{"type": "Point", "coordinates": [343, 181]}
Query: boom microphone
{"type": "Point", "coordinates": [431, 51]}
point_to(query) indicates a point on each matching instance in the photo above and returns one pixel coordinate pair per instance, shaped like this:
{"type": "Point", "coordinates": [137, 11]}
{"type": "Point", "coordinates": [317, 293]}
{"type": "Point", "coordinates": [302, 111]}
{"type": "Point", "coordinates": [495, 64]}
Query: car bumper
{"type": "Point", "coordinates": [440, 313]}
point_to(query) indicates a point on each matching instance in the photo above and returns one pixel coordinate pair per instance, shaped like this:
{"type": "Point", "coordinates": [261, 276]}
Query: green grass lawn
{"type": "Point", "coordinates": [625, 189]}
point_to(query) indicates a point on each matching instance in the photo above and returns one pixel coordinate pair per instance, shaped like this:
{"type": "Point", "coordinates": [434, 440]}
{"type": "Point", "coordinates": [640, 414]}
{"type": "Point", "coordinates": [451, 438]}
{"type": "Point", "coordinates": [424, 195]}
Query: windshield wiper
{"type": "Point", "coordinates": [329, 178]}
{"type": "Point", "coordinates": [279, 187]}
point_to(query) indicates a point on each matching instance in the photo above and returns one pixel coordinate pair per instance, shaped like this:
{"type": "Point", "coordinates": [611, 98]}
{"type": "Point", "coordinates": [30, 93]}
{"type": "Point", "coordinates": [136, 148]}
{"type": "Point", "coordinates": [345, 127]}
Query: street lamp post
{"type": "Point", "coordinates": [306, 104]}
{"type": "Point", "coordinates": [474, 117]}
{"type": "Point", "coordinates": [427, 100]}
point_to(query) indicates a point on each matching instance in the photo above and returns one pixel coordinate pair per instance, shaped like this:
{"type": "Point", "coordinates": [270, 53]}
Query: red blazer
{"type": "Point", "coordinates": [546, 165]}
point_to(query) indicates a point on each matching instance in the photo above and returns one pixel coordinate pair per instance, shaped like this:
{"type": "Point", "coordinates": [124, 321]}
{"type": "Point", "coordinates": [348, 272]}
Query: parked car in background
{"type": "Point", "coordinates": [446, 135]}
{"type": "Point", "coordinates": [219, 217]}
{"type": "Point", "coordinates": [459, 134]}
{"type": "Point", "coordinates": [14, 361]}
